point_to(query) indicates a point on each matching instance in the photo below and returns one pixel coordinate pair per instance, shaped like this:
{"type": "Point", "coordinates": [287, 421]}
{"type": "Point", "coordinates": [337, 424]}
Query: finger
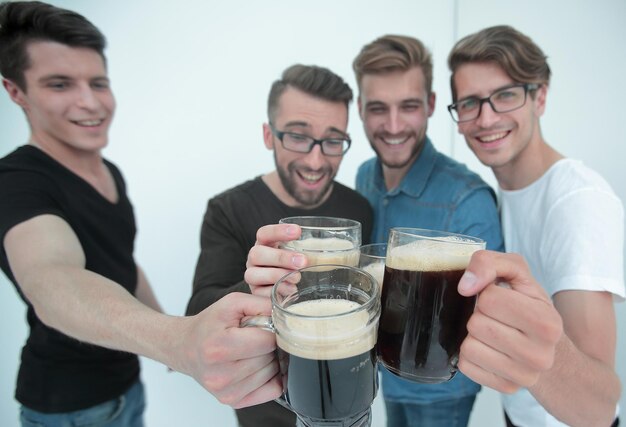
{"type": "Point", "coordinates": [532, 324]}
{"type": "Point", "coordinates": [272, 234]}
{"type": "Point", "coordinates": [485, 378]}
{"type": "Point", "coordinates": [268, 391]}
{"type": "Point", "coordinates": [493, 366]}
{"type": "Point", "coordinates": [264, 291]}
{"type": "Point", "coordinates": [488, 267]}
{"type": "Point", "coordinates": [265, 256]}
{"type": "Point", "coordinates": [245, 391]}
{"type": "Point", "coordinates": [509, 342]}
{"type": "Point", "coordinates": [261, 276]}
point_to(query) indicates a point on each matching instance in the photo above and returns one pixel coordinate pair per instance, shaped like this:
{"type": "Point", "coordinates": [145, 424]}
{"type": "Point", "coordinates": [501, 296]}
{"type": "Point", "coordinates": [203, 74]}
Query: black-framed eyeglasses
{"type": "Point", "coordinates": [300, 143]}
{"type": "Point", "coordinates": [503, 100]}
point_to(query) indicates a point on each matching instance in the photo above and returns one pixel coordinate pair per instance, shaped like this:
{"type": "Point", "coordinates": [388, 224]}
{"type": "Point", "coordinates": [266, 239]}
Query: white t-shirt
{"type": "Point", "coordinates": [569, 226]}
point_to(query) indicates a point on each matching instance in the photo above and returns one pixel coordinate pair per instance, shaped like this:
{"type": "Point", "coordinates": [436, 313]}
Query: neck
{"type": "Point", "coordinates": [527, 167]}
{"type": "Point", "coordinates": [78, 161]}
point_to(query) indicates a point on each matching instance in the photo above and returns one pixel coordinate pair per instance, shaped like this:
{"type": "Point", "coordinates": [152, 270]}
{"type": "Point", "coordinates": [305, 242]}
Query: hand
{"type": "Point", "coordinates": [514, 330]}
{"type": "Point", "coordinates": [266, 263]}
{"type": "Point", "coordinates": [237, 365]}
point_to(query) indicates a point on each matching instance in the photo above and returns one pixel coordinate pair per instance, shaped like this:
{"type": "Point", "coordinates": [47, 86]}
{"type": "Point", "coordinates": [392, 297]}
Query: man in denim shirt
{"type": "Point", "coordinates": [410, 184]}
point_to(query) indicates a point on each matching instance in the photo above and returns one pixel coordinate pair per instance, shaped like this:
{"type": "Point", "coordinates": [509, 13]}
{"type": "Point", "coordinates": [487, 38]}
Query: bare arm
{"type": "Point", "coordinates": [584, 367]}
{"type": "Point", "coordinates": [235, 364]}
{"type": "Point", "coordinates": [144, 292]}
{"type": "Point", "coordinates": [562, 352]}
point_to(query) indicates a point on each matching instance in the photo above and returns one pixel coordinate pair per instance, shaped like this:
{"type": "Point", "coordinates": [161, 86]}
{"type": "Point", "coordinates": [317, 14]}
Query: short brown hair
{"type": "Point", "coordinates": [317, 81]}
{"type": "Point", "coordinates": [394, 53]}
{"type": "Point", "coordinates": [24, 22]}
{"type": "Point", "coordinates": [515, 52]}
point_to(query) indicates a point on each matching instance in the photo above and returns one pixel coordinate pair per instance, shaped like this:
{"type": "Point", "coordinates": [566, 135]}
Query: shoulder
{"type": "Point", "coordinates": [367, 167]}
{"type": "Point", "coordinates": [454, 181]}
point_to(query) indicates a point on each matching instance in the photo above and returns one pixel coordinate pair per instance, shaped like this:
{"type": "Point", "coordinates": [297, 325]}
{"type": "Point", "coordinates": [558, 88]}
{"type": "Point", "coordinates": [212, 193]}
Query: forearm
{"type": "Point", "coordinates": [144, 292]}
{"type": "Point", "coordinates": [578, 390]}
{"type": "Point", "coordinates": [91, 308]}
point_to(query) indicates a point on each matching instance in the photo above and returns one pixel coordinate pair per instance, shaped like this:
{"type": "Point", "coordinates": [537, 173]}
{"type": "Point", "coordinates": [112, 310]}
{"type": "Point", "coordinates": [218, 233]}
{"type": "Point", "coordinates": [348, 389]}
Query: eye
{"type": "Point", "coordinates": [100, 84]}
{"type": "Point", "coordinates": [410, 107]}
{"type": "Point", "coordinates": [506, 95]}
{"type": "Point", "coordinates": [376, 109]}
{"type": "Point", "coordinates": [296, 137]}
{"type": "Point", "coordinates": [57, 85]}
{"type": "Point", "coordinates": [467, 104]}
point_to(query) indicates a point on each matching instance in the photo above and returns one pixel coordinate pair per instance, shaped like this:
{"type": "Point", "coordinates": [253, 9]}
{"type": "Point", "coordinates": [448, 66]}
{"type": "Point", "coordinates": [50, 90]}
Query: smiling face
{"type": "Point", "coordinates": [509, 142]}
{"type": "Point", "coordinates": [68, 101]}
{"type": "Point", "coordinates": [306, 179]}
{"type": "Point", "coordinates": [395, 108]}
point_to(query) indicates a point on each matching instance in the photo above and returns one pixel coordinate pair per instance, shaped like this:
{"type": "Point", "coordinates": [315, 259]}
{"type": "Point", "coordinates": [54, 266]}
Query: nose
{"type": "Point", "coordinates": [393, 124]}
{"type": "Point", "coordinates": [487, 116]}
{"type": "Point", "coordinates": [87, 99]}
{"type": "Point", "coordinates": [315, 159]}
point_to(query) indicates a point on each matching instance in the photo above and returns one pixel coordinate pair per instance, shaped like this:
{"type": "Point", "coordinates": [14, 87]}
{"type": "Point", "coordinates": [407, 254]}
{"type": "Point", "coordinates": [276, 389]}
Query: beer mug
{"type": "Point", "coordinates": [423, 317]}
{"type": "Point", "coordinates": [325, 321]}
{"type": "Point", "coordinates": [326, 240]}
{"type": "Point", "coordinates": [372, 260]}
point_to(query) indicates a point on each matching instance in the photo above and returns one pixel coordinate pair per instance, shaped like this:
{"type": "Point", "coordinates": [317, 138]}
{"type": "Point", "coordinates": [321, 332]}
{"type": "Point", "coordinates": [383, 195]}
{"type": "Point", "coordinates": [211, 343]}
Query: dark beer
{"type": "Point", "coordinates": [328, 367]}
{"type": "Point", "coordinates": [423, 317]}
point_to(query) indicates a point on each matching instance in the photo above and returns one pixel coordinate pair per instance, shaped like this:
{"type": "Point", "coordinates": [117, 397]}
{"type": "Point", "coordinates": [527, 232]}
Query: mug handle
{"type": "Point", "coordinates": [265, 323]}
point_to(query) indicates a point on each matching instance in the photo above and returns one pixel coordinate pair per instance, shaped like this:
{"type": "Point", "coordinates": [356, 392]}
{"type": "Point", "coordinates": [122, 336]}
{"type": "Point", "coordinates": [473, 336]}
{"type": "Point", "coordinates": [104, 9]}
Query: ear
{"type": "Point", "coordinates": [431, 103]}
{"type": "Point", "coordinates": [359, 105]}
{"type": "Point", "coordinates": [540, 100]}
{"type": "Point", "coordinates": [268, 136]}
{"type": "Point", "coordinates": [16, 94]}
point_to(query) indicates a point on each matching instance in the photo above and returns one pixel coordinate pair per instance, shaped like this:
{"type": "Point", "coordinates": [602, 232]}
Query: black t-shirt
{"type": "Point", "coordinates": [229, 231]}
{"type": "Point", "coordinates": [59, 373]}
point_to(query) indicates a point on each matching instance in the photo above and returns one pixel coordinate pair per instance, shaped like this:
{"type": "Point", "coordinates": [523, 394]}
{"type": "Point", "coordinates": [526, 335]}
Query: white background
{"type": "Point", "coordinates": [191, 79]}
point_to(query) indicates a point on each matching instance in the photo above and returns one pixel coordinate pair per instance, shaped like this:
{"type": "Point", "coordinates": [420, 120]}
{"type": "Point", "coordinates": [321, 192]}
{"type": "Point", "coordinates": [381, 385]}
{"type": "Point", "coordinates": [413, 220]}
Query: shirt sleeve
{"type": "Point", "coordinates": [221, 263]}
{"type": "Point", "coordinates": [582, 243]}
{"type": "Point", "coordinates": [25, 195]}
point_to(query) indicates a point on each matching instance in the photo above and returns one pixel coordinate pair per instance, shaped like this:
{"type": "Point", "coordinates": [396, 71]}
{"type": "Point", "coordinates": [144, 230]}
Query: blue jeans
{"type": "Point", "coordinates": [123, 411]}
{"type": "Point", "coordinates": [447, 413]}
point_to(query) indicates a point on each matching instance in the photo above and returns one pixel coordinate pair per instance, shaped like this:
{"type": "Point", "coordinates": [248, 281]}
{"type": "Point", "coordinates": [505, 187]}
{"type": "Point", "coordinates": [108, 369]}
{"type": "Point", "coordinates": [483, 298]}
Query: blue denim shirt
{"type": "Point", "coordinates": [437, 193]}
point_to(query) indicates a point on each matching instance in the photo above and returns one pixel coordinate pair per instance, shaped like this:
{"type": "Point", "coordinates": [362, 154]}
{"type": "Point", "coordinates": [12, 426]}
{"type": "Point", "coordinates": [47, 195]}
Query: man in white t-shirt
{"type": "Point", "coordinates": [562, 217]}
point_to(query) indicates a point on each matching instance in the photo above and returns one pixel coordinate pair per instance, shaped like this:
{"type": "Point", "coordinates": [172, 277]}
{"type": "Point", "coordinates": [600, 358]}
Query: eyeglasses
{"type": "Point", "coordinates": [503, 100]}
{"type": "Point", "coordinates": [304, 144]}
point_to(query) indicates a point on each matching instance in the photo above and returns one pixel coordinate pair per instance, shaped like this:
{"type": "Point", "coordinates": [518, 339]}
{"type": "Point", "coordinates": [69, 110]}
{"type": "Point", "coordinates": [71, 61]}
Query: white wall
{"type": "Point", "coordinates": [191, 81]}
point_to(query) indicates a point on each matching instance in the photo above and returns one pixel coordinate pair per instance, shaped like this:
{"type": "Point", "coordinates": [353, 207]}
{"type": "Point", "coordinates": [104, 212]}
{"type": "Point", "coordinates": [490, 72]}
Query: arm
{"type": "Point", "coordinates": [517, 338]}
{"type": "Point", "coordinates": [144, 292]}
{"type": "Point", "coordinates": [235, 364]}
{"type": "Point", "coordinates": [221, 263]}
{"type": "Point", "coordinates": [584, 367]}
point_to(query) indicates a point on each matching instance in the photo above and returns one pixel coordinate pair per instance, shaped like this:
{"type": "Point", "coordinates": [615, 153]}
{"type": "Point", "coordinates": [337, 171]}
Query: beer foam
{"type": "Point", "coordinates": [336, 336]}
{"type": "Point", "coordinates": [444, 254]}
{"type": "Point", "coordinates": [376, 269]}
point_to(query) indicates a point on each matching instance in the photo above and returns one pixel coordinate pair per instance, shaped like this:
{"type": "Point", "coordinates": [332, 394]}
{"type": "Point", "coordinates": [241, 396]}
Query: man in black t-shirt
{"type": "Point", "coordinates": [67, 230]}
{"type": "Point", "coordinates": [308, 118]}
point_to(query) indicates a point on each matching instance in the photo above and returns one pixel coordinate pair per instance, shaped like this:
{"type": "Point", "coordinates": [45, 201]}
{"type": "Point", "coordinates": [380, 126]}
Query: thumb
{"type": "Point", "coordinates": [489, 267]}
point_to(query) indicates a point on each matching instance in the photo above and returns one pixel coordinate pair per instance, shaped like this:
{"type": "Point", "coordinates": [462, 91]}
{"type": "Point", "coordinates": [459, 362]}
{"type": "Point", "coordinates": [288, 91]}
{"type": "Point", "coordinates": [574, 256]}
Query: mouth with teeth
{"type": "Point", "coordinates": [310, 178]}
{"type": "Point", "coordinates": [398, 140]}
{"type": "Point", "coordinates": [88, 123]}
{"type": "Point", "coordinates": [493, 138]}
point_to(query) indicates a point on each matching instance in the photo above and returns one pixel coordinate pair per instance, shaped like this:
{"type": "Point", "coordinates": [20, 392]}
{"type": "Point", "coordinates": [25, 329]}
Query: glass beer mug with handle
{"type": "Point", "coordinates": [325, 321]}
{"type": "Point", "coordinates": [423, 317]}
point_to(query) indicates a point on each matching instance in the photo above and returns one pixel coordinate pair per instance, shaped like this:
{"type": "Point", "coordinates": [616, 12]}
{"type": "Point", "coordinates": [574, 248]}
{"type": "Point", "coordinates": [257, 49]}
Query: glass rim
{"type": "Point", "coordinates": [349, 223]}
{"type": "Point", "coordinates": [438, 235]}
{"type": "Point", "coordinates": [366, 306]}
